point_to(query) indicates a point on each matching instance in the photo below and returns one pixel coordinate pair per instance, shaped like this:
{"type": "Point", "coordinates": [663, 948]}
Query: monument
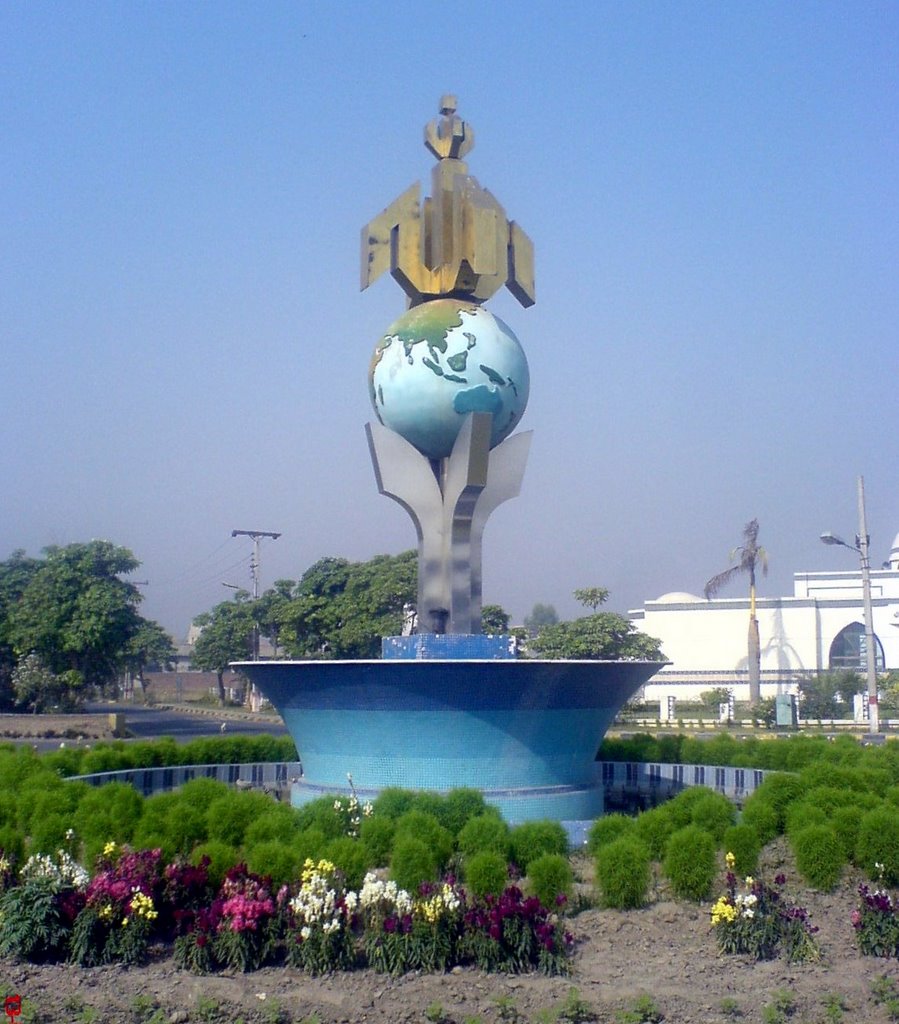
{"type": "Point", "coordinates": [447, 706]}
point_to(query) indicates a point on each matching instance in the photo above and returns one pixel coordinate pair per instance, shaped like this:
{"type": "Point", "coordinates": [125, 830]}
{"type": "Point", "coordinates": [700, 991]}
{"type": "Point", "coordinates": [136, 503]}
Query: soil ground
{"type": "Point", "coordinates": [666, 951]}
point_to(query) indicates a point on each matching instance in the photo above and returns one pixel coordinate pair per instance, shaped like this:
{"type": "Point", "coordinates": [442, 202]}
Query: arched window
{"type": "Point", "coordinates": [848, 649]}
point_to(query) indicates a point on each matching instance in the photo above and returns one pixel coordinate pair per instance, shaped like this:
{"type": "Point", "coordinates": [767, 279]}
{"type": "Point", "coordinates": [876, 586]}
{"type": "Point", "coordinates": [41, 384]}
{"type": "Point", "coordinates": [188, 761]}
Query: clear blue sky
{"type": "Point", "coordinates": [713, 193]}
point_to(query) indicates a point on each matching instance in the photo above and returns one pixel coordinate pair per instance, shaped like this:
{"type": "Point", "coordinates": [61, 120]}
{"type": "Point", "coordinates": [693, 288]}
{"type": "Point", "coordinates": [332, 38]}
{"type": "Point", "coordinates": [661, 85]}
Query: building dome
{"type": "Point", "coordinates": [894, 553]}
{"type": "Point", "coordinates": [678, 597]}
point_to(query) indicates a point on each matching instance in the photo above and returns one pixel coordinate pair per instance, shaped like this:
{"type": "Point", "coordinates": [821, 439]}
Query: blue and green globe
{"type": "Point", "coordinates": [440, 361]}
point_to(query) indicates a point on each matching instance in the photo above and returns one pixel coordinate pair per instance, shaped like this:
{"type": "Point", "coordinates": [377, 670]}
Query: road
{"type": "Point", "coordinates": [152, 723]}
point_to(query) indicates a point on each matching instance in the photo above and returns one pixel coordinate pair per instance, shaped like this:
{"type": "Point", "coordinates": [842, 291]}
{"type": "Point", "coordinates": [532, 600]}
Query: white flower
{"type": "Point", "coordinates": [748, 913]}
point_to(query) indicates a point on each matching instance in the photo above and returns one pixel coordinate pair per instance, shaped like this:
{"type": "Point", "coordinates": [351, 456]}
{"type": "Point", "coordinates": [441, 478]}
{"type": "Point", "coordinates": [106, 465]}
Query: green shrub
{"type": "Point", "coordinates": [689, 863]}
{"type": "Point", "coordinates": [653, 829]}
{"type": "Point", "coordinates": [829, 798]}
{"type": "Point", "coordinates": [606, 830]}
{"type": "Point", "coordinates": [411, 863]}
{"type": "Point", "coordinates": [461, 805]}
{"type": "Point", "coordinates": [48, 833]}
{"type": "Point", "coordinates": [715, 814]}
{"type": "Point", "coordinates": [743, 842]}
{"type": "Point", "coordinates": [762, 816]}
{"type": "Point", "coordinates": [534, 838]}
{"type": "Point", "coordinates": [393, 802]}
{"type": "Point", "coordinates": [185, 828]}
{"type": "Point", "coordinates": [800, 815]}
{"type": "Point", "coordinates": [681, 807]}
{"type": "Point", "coordinates": [846, 822]}
{"type": "Point", "coordinates": [486, 872]}
{"type": "Point", "coordinates": [820, 857]}
{"type": "Point", "coordinates": [350, 856]}
{"type": "Point", "coordinates": [623, 873]}
{"type": "Point", "coordinates": [228, 817]}
{"type": "Point", "coordinates": [551, 879]}
{"type": "Point", "coordinates": [320, 814]}
{"type": "Point", "coordinates": [202, 791]}
{"type": "Point", "coordinates": [878, 843]}
{"type": "Point", "coordinates": [12, 844]}
{"type": "Point", "coordinates": [282, 862]}
{"type": "Point", "coordinates": [108, 812]}
{"type": "Point", "coordinates": [279, 823]}
{"type": "Point", "coordinates": [780, 790]}
{"type": "Point", "coordinates": [377, 834]}
{"type": "Point", "coordinates": [221, 859]}
{"type": "Point", "coordinates": [425, 827]}
{"type": "Point", "coordinates": [485, 832]}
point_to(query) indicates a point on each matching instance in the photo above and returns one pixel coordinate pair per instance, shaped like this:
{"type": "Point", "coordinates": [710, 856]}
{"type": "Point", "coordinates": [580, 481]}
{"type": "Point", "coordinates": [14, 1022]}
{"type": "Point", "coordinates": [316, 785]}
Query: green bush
{"type": "Point", "coordinates": [279, 860]}
{"type": "Point", "coordinates": [377, 834]}
{"type": "Point", "coordinates": [800, 815]}
{"type": "Point", "coordinates": [743, 842]}
{"type": "Point", "coordinates": [534, 838]}
{"type": "Point", "coordinates": [202, 791]}
{"type": "Point", "coordinates": [715, 814]}
{"type": "Point", "coordinates": [486, 872]}
{"type": "Point", "coordinates": [780, 790]}
{"type": "Point", "coordinates": [222, 858]}
{"type": "Point", "coordinates": [411, 863]}
{"type": "Point", "coordinates": [681, 807]}
{"type": "Point", "coordinates": [228, 817]}
{"type": "Point", "coordinates": [48, 833]}
{"type": "Point", "coordinates": [426, 828]}
{"type": "Point", "coordinates": [393, 802]}
{"type": "Point", "coordinates": [829, 798]}
{"type": "Point", "coordinates": [689, 863]}
{"type": "Point", "coordinates": [351, 857]}
{"type": "Point", "coordinates": [551, 879]}
{"type": "Point", "coordinates": [280, 823]}
{"type": "Point", "coordinates": [185, 827]}
{"type": "Point", "coordinates": [12, 844]}
{"type": "Point", "coordinates": [485, 832]}
{"type": "Point", "coordinates": [762, 816]}
{"type": "Point", "coordinates": [108, 812]}
{"type": "Point", "coordinates": [846, 822]}
{"type": "Point", "coordinates": [820, 857]}
{"type": "Point", "coordinates": [606, 830]}
{"type": "Point", "coordinates": [461, 805]}
{"type": "Point", "coordinates": [653, 829]}
{"type": "Point", "coordinates": [623, 873]}
{"type": "Point", "coordinates": [878, 843]}
{"type": "Point", "coordinates": [320, 814]}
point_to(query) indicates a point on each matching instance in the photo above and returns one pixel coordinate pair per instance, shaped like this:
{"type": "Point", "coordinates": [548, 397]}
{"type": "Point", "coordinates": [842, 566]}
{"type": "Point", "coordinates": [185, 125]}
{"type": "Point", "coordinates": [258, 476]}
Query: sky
{"type": "Point", "coordinates": [713, 197]}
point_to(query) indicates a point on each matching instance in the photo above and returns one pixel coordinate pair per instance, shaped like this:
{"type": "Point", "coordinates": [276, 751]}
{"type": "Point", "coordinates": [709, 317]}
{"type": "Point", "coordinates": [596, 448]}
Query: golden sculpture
{"type": "Point", "coordinates": [459, 242]}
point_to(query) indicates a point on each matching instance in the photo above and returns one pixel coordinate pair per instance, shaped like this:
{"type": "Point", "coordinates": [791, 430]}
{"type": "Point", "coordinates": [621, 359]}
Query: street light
{"type": "Point", "coordinates": [861, 546]}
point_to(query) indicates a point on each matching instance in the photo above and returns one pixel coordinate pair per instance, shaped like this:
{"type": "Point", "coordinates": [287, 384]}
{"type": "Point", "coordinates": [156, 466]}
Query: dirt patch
{"type": "Point", "coordinates": [66, 727]}
{"type": "Point", "coordinates": [666, 951]}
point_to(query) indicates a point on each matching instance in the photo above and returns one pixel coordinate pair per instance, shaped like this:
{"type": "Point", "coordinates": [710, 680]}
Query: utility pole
{"type": "Point", "coordinates": [256, 536]}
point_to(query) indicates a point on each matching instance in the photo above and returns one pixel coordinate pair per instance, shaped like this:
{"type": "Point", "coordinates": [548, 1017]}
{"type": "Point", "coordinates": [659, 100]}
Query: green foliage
{"type": "Point", "coordinates": [221, 859]}
{"type": "Point", "coordinates": [485, 832]}
{"type": "Point", "coordinates": [820, 857]}
{"type": "Point", "coordinates": [494, 619]}
{"type": "Point", "coordinates": [623, 873]}
{"type": "Point", "coordinates": [743, 842]}
{"type": "Point", "coordinates": [715, 814]}
{"type": "Point", "coordinates": [279, 823]}
{"type": "Point", "coordinates": [108, 812]}
{"type": "Point", "coordinates": [351, 857]}
{"type": "Point", "coordinates": [393, 802]}
{"type": "Point", "coordinates": [320, 814]}
{"type": "Point", "coordinates": [603, 635]}
{"type": "Point", "coordinates": [780, 791]}
{"type": "Point", "coordinates": [780, 1009]}
{"type": "Point", "coordinates": [829, 694]}
{"type": "Point", "coordinates": [460, 805]}
{"type": "Point", "coordinates": [606, 830]}
{"type": "Point", "coordinates": [486, 872]}
{"type": "Point", "coordinates": [412, 862]}
{"type": "Point", "coordinates": [226, 635]}
{"type": "Point", "coordinates": [800, 815]}
{"type": "Point", "coordinates": [341, 609]}
{"type": "Point", "coordinates": [541, 616]}
{"type": "Point", "coordinates": [550, 877]}
{"type": "Point", "coordinates": [280, 861]}
{"type": "Point", "coordinates": [426, 828]}
{"type": "Point", "coordinates": [680, 809]}
{"type": "Point", "coordinates": [878, 844]}
{"type": "Point", "coordinates": [228, 817]}
{"type": "Point", "coordinates": [846, 822]}
{"type": "Point", "coordinates": [575, 1010]}
{"type": "Point", "coordinates": [642, 1010]}
{"type": "Point", "coordinates": [377, 834]}
{"type": "Point", "coordinates": [534, 838]}
{"type": "Point", "coordinates": [34, 927]}
{"type": "Point", "coordinates": [653, 829]}
{"type": "Point", "coordinates": [689, 863]}
{"type": "Point", "coordinates": [762, 816]}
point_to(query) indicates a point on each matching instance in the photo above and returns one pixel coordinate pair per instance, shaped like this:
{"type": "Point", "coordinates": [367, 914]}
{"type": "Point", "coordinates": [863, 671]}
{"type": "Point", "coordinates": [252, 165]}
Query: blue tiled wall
{"type": "Point", "coordinates": [474, 647]}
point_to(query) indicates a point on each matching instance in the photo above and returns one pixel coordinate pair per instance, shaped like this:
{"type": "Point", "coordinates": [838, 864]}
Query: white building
{"type": "Point", "coordinates": [820, 627]}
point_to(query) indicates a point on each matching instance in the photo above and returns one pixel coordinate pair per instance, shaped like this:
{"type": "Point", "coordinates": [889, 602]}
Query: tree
{"type": "Point", "coordinates": [341, 609]}
{"type": "Point", "coordinates": [749, 558]}
{"type": "Point", "coordinates": [76, 613]}
{"type": "Point", "coordinates": [494, 619]}
{"type": "Point", "coordinates": [150, 645]}
{"type": "Point", "coordinates": [541, 615]}
{"type": "Point", "coordinates": [38, 689]}
{"type": "Point", "coordinates": [226, 635]}
{"type": "Point", "coordinates": [823, 693]}
{"type": "Point", "coordinates": [15, 575]}
{"type": "Point", "coordinates": [601, 636]}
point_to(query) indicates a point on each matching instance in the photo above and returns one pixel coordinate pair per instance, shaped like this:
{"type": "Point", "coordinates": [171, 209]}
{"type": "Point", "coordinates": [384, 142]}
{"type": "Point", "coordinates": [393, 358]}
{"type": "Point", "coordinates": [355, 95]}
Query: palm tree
{"type": "Point", "coordinates": [749, 557]}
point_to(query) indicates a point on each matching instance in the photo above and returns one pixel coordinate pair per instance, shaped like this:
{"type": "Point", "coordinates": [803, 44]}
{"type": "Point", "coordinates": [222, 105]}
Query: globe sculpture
{"type": "Point", "coordinates": [447, 706]}
{"type": "Point", "coordinates": [440, 361]}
